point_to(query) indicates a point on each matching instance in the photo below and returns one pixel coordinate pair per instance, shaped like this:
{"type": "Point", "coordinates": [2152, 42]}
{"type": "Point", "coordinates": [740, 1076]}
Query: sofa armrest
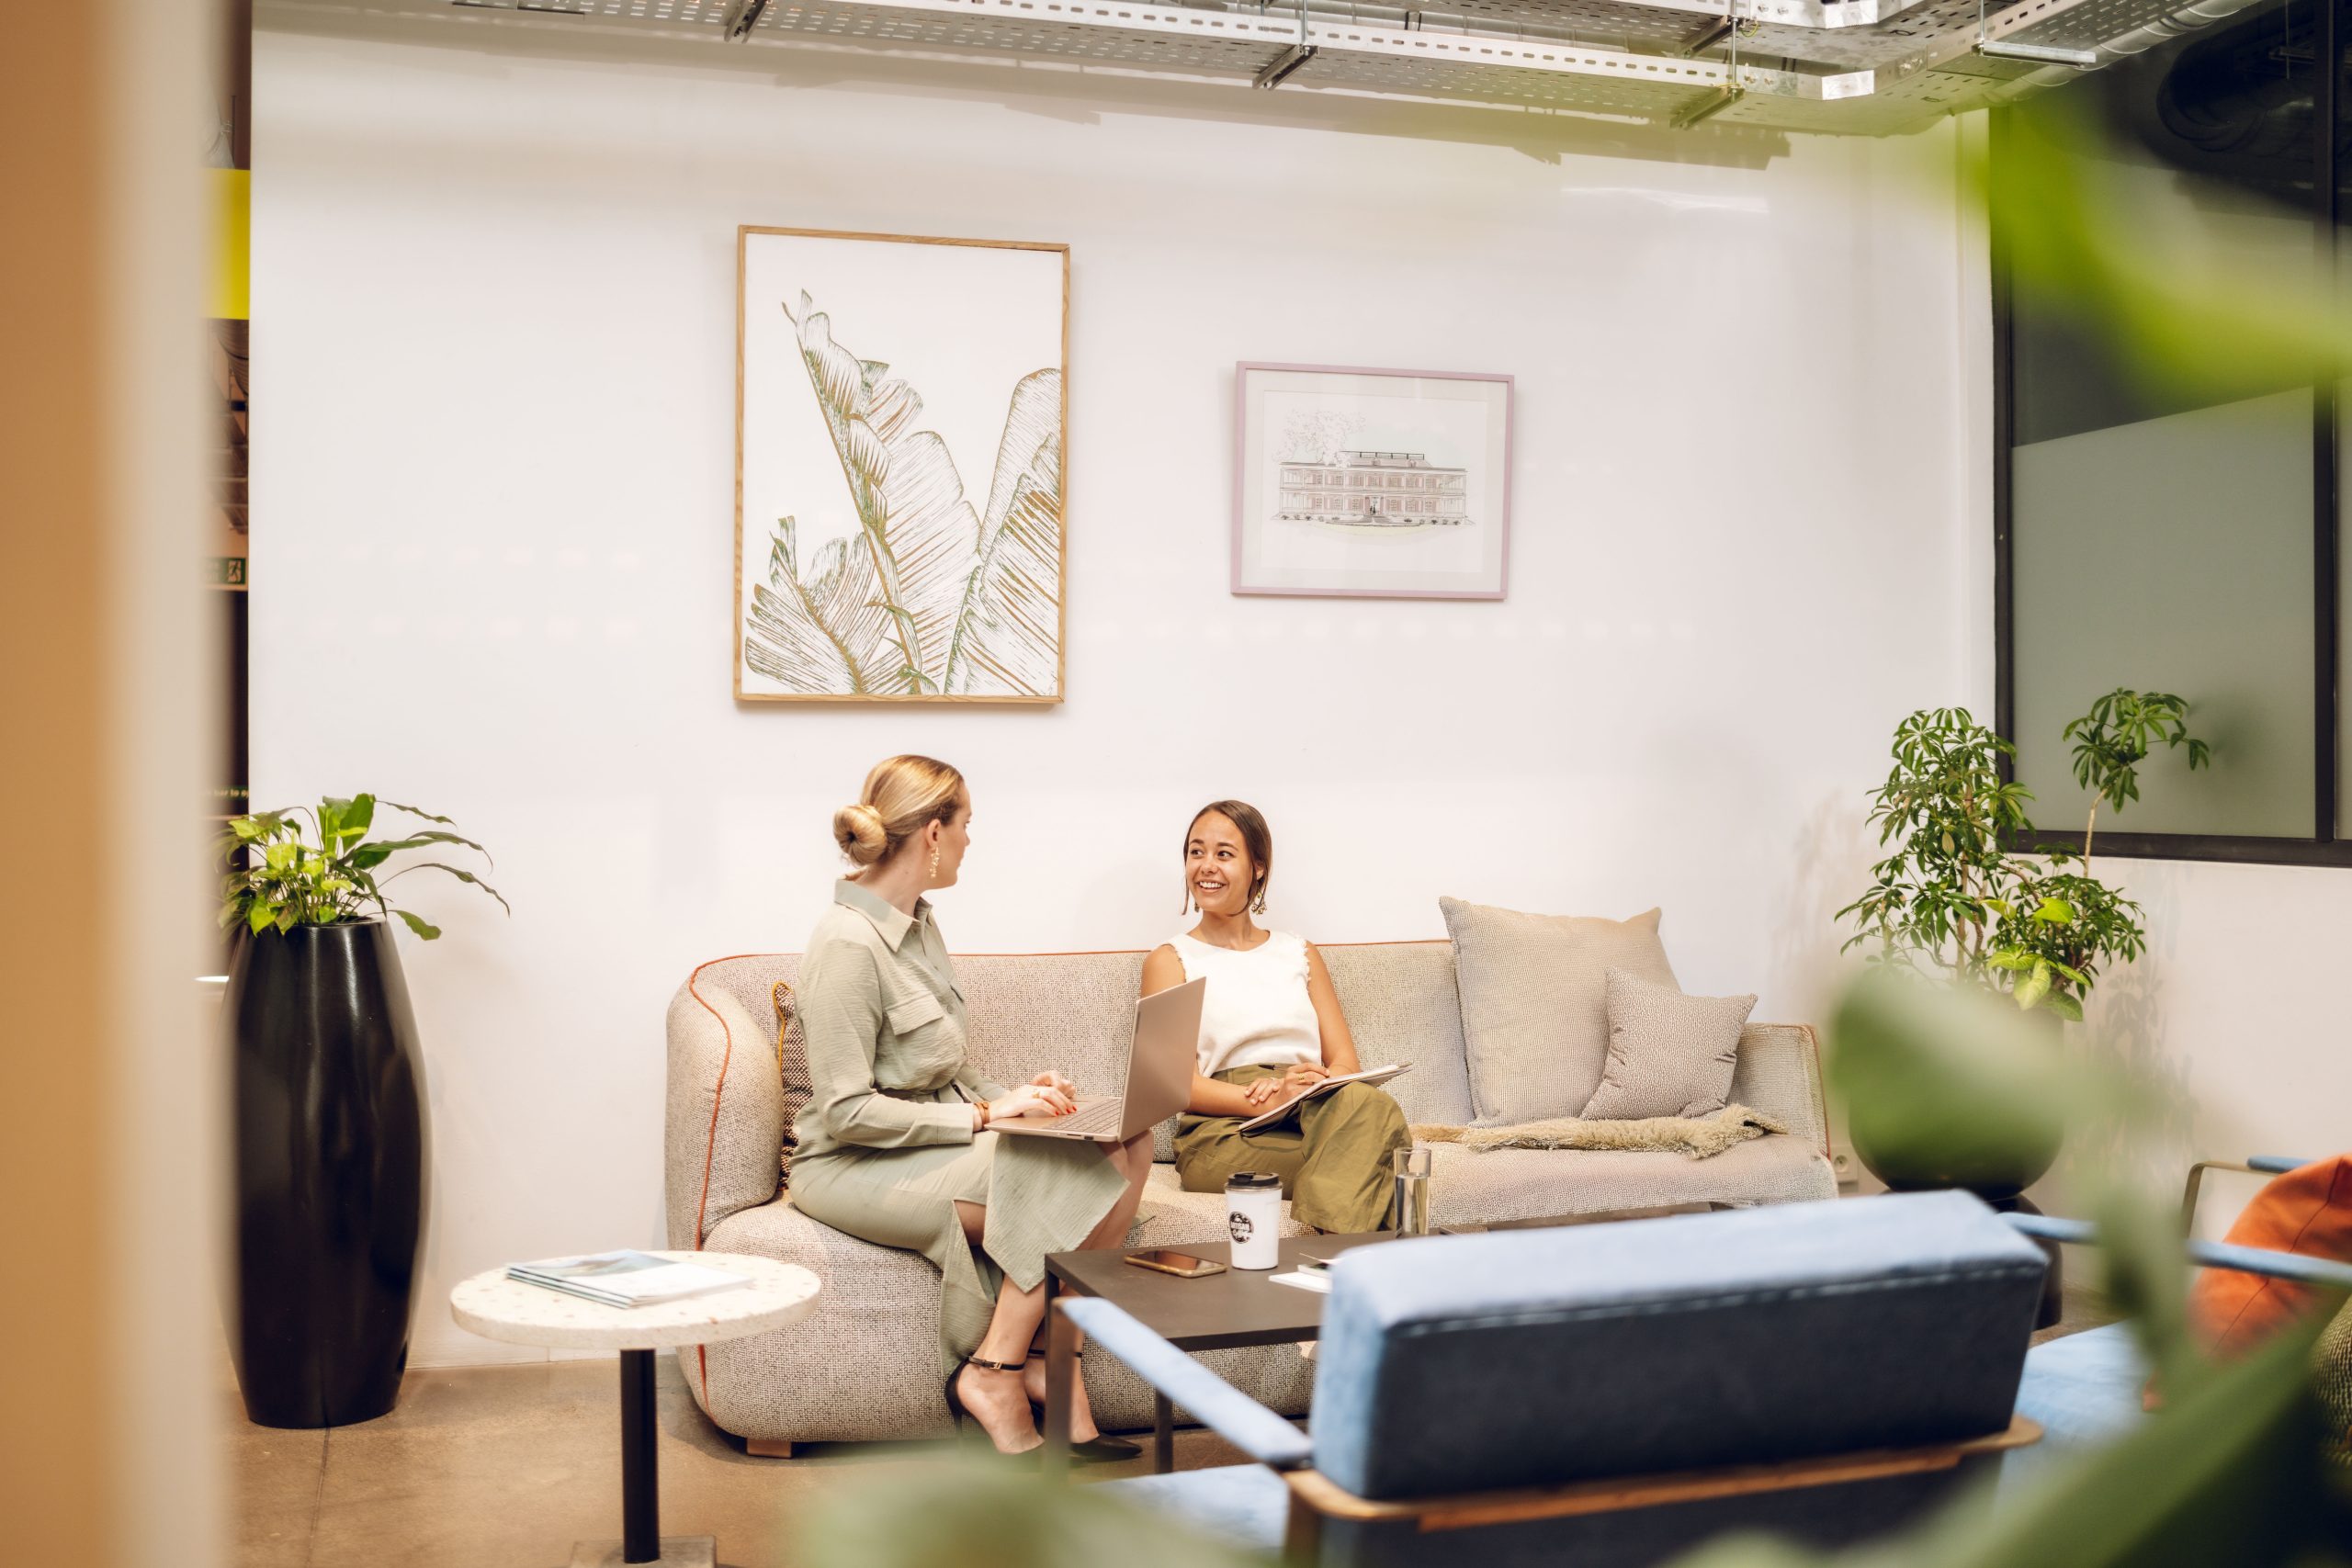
{"type": "Point", "coordinates": [723, 1111]}
{"type": "Point", "coordinates": [1216, 1404]}
{"type": "Point", "coordinates": [1779, 1073]}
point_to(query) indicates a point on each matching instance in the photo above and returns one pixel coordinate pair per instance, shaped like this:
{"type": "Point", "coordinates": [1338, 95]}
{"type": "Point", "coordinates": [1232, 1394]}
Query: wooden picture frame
{"type": "Point", "coordinates": [878, 378]}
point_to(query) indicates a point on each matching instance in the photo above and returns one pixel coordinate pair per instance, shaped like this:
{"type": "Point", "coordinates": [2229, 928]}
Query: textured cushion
{"type": "Point", "coordinates": [791, 1068]}
{"type": "Point", "coordinates": [2332, 1385]}
{"type": "Point", "coordinates": [1668, 1055]}
{"type": "Point", "coordinates": [1671, 1344]}
{"type": "Point", "coordinates": [1535, 1005]}
{"type": "Point", "coordinates": [2309, 1211]}
{"type": "Point", "coordinates": [1401, 1007]}
{"type": "Point", "coordinates": [1467, 1188]}
{"type": "Point", "coordinates": [1173, 1217]}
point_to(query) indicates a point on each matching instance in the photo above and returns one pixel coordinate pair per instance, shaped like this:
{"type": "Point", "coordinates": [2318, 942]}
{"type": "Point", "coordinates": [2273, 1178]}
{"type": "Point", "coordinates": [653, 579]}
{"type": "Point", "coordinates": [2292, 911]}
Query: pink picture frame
{"type": "Point", "coordinates": [1379, 484]}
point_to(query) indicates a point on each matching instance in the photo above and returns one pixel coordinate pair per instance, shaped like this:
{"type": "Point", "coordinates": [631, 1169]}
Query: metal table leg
{"type": "Point", "coordinates": [1061, 1375]}
{"type": "Point", "coordinates": [642, 1539]}
{"type": "Point", "coordinates": [640, 1479]}
{"type": "Point", "coordinates": [1163, 1435]}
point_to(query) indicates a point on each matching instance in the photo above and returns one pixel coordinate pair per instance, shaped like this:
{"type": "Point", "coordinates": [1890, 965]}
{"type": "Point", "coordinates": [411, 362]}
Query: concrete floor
{"type": "Point", "coordinates": [508, 1466]}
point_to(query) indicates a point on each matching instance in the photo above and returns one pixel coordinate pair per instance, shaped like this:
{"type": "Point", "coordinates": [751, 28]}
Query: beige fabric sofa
{"type": "Point", "coordinates": [862, 1367]}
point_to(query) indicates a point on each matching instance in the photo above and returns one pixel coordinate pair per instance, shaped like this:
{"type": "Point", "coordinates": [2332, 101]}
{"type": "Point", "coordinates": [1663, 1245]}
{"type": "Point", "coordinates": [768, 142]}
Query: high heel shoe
{"type": "Point", "coordinates": [1097, 1449]}
{"type": "Point", "coordinates": [1027, 1459]}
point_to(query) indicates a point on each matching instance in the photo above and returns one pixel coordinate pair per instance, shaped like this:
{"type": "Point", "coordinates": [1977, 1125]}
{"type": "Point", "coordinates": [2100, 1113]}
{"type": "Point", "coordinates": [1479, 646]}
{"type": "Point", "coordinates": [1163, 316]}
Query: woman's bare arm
{"type": "Point", "coordinates": [1338, 1046]}
{"type": "Point", "coordinates": [1162, 970]}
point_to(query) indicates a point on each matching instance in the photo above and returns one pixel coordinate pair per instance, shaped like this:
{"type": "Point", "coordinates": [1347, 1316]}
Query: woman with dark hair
{"type": "Point", "coordinates": [1272, 1028]}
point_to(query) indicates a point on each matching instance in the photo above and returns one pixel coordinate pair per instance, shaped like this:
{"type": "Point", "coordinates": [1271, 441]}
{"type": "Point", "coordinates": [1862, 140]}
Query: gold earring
{"type": "Point", "coordinates": [935, 859]}
{"type": "Point", "coordinates": [1258, 905]}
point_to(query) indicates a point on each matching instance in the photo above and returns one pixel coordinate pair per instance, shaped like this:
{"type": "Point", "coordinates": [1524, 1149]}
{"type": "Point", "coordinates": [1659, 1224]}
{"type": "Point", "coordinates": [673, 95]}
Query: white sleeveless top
{"type": "Point", "coordinates": [1255, 1012]}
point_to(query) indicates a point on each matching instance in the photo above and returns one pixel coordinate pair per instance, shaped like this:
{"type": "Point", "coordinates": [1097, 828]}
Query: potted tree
{"type": "Point", "coordinates": [1953, 900]}
{"type": "Point", "coordinates": [329, 1108]}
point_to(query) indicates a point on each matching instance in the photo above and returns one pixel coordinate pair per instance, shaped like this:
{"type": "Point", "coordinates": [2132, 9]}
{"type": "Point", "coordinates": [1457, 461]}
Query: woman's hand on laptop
{"type": "Point", "coordinates": [1051, 1079]}
{"type": "Point", "coordinates": [1031, 1099]}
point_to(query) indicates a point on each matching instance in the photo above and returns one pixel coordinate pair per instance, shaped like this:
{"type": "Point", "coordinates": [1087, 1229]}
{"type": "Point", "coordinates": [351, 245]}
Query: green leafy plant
{"type": "Point", "coordinates": [2115, 737]}
{"type": "Point", "coordinates": [1945, 813]}
{"type": "Point", "coordinates": [279, 876]}
{"type": "Point", "coordinates": [2064, 924]}
{"type": "Point", "coordinates": [1953, 899]}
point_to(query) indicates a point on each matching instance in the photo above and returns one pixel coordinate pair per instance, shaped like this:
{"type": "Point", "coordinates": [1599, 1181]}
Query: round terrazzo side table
{"type": "Point", "coordinates": [496, 1308]}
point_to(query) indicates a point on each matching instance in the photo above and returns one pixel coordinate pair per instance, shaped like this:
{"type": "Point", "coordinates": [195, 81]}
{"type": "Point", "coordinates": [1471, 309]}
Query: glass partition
{"type": "Point", "coordinates": [2174, 532]}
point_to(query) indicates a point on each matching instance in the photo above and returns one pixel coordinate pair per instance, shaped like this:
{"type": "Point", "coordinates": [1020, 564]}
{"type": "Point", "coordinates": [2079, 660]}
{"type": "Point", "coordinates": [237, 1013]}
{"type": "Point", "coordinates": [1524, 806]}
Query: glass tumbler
{"type": "Point", "coordinates": [1409, 1214]}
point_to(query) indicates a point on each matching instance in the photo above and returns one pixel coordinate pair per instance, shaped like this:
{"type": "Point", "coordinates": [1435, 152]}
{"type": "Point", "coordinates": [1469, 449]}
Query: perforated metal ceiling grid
{"type": "Point", "coordinates": [1625, 59]}
{"type": "Point", "coordinates": [1055, 32]}
{"type": "Point", "coordinates": [2090, 23]}
{"type": "Point", "coordinates": [1653, 98]}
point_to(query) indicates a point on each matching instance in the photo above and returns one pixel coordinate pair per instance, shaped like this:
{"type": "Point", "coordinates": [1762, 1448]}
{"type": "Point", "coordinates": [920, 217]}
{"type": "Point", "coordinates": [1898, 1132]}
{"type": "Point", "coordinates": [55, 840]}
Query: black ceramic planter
{"type": "Point", "coordinates": [2004, 1166]}
{"type": "Point", "coordinates": [330, 1171]}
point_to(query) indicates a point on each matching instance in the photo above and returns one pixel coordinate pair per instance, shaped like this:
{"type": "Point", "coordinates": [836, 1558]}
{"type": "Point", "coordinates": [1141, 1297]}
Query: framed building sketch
{"type": "Point", "coordinates": [1382, 484]}
{"type": "Point", "coordinates": [901, 435]}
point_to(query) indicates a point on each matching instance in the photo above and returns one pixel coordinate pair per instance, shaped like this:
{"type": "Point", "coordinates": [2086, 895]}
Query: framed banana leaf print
{"type": "Point", "coordinates": [901, 434]}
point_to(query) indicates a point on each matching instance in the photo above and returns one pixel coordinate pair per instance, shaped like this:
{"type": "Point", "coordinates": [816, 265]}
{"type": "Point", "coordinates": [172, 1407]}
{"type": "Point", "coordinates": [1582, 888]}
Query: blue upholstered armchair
{"type": "Point", "coordinates": [1612, 1394]}
{"type": "Point", "coordinates": [2084, 1389]}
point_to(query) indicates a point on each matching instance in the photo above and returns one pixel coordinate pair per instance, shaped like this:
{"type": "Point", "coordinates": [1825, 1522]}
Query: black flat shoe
{"type": "Point", "coordinates": [1027, 1459]}
{"type": "Point", "coordinates": [1096, 1449]}
{"type": "Point", "coordinates": [1104, 1451]}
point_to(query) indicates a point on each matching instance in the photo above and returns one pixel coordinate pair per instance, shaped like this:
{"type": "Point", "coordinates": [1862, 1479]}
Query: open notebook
{"type": "Point", "coordinates": [1370, 1075]}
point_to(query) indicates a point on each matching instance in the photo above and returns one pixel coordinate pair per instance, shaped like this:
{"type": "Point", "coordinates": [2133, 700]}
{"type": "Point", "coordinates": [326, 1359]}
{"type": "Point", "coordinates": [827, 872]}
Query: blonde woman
{"type": "Point", "coordinates": [1272, 1028]}
{"type": "Point", "coordinates": [894, 1147]}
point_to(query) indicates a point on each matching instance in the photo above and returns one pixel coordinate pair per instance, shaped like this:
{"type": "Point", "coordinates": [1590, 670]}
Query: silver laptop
{"type": "Point", "coordinates": [1159, 1076]}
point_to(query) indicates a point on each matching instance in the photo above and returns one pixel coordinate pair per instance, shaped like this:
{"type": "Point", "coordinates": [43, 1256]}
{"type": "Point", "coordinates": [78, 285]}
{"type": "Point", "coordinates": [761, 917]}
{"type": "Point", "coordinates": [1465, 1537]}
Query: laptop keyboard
{"type": "Point", "coordinates": [1102, 1116]}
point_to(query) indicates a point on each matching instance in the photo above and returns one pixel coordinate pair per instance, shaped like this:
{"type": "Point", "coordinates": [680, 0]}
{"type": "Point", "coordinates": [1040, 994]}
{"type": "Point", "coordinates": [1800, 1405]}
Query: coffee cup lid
{"type": "Point", "coordinates": [1252, 1179]}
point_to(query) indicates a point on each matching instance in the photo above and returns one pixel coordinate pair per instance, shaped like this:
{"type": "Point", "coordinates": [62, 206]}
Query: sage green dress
{"type": "Point", "coordinates": [886, 1147]}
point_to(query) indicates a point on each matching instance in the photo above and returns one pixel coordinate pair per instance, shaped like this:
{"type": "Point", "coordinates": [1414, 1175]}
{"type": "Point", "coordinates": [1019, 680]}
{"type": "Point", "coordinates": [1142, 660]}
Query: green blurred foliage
{"type": "Point", "coordinates": [979, 1515]}
{"type": "Point", "coordinates": [2229, 1470]}
{"type": "Point", "coordinates": [2179, 314]}
{"type": "Point", "coordinates": [1949, 1082]}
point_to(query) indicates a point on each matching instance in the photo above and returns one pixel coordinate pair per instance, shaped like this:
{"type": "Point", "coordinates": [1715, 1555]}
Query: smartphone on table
{"type": "Point", "coordinates": [1183, 1265]}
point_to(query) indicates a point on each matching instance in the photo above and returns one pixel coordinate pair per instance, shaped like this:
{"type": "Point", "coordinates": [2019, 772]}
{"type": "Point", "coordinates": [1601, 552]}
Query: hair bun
{"type": "Point", "coordinates": [860, 834]}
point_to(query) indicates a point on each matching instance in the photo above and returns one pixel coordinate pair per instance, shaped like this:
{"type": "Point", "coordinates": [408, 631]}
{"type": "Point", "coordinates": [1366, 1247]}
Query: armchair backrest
{"type": "Point", "coordinates": [1534, 1358]}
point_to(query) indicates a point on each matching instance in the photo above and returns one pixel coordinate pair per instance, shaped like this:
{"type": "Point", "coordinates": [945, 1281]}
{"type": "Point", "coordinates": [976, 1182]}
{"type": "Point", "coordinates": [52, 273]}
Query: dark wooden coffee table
{"type": "Point", "coordinates": [1216, 1312]}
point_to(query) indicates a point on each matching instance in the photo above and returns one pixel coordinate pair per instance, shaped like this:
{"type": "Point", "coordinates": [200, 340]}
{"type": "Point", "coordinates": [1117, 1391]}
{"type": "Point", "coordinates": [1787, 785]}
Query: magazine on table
{"type": "Point", "coordinates": [625, 1279]}
{"type": "Point", "coordinates": [1370, 1075]}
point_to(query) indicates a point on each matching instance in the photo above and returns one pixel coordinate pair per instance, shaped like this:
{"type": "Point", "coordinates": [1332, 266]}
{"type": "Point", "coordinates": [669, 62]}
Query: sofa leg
{"type": "Point", "coordinates": [763, 1448]}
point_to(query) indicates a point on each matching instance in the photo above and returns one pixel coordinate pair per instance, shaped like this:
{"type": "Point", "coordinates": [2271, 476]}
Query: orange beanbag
{"type": "Point", "coordinates": [2309, 1211]}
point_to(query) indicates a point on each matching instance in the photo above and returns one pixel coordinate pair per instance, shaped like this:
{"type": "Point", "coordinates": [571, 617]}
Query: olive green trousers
{"type": "Point", "coordinates": [1331, 1153]}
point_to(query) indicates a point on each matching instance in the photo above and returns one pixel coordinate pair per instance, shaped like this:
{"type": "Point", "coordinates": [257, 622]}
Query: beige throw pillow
{"type": "Point", "coordinates": [1668, 1055]}
{"type": "Point", "coordinates": [1534, 1003]}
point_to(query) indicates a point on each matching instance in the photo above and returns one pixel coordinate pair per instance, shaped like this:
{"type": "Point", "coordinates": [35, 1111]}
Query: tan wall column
{"type": "Point", "coordinates": [107, 1105]}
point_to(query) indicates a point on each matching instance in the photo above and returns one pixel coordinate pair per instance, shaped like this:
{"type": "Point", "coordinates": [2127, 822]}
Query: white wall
{"type": "Point", "coordinates": [493, 478]}
{"type": "Point", "coordinates": [2235, 1017]}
